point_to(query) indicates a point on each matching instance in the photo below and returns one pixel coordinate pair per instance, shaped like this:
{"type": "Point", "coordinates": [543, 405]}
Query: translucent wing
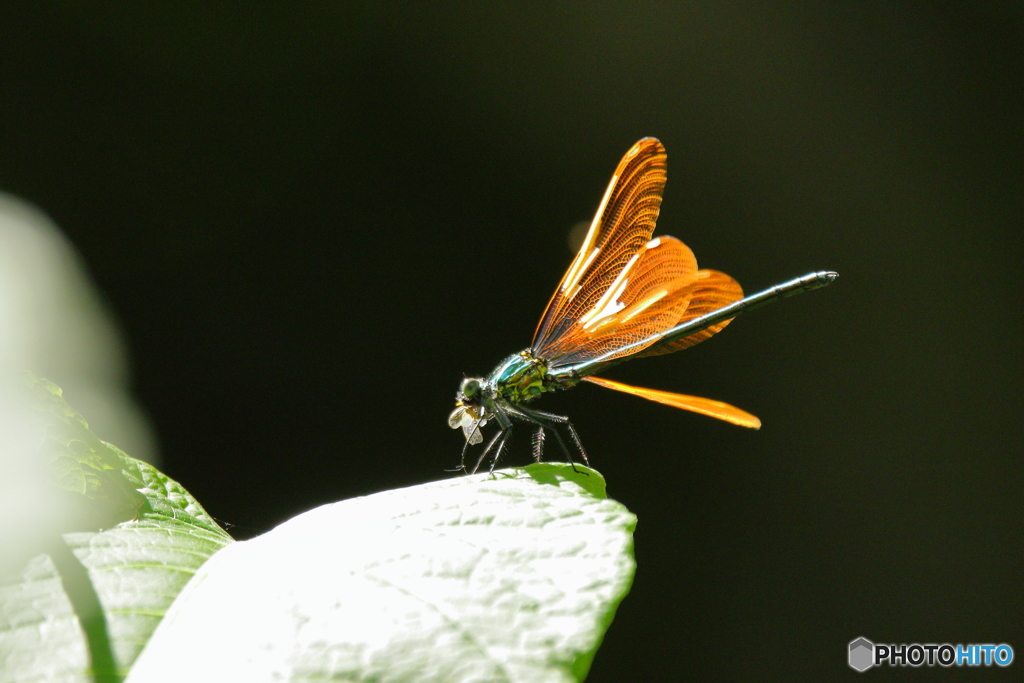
{"type": "Point", "coordinates": [710, 291]}
{"type": "Point", "coordinates": [696, 404]}
{"type": "Point", "coordinates": [621, 228]}
{"type": "Point", "coordinates": [650, 294]}
{"type": "Point", "coordinates": [468, 419]}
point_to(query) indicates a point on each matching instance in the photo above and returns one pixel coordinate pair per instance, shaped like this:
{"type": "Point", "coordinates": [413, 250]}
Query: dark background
{"type": "Point", "coordinates": [311, 221]}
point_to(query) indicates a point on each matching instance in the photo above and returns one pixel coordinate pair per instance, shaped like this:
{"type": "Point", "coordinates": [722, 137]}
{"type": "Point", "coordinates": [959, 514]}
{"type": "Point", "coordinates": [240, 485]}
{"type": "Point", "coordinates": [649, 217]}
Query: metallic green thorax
{"type": "Point", "coordinates": [522, 377]}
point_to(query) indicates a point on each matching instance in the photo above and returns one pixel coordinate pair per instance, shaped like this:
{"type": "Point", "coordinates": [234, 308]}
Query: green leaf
{"type": "Point", "coordinates": [513, 576]}
{"type": "Point", "coordinates": [85, 601]}
{"type": "Point", "coordinates": [508, 576]}
{"type": "Point", "coordinates": [77, 460]}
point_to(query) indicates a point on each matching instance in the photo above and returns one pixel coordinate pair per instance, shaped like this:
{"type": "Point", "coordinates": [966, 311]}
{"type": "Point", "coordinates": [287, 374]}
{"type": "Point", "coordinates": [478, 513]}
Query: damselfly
{"type": "Point", "coordinates": [626, 295]}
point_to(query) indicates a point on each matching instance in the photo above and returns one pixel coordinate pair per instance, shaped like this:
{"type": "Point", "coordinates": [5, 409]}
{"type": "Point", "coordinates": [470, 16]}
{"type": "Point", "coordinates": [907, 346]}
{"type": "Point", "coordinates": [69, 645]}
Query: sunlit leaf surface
{"type": "Point", "coordinates": [81, 594]}
{"type": "Point", "coordinates": [510, 577]}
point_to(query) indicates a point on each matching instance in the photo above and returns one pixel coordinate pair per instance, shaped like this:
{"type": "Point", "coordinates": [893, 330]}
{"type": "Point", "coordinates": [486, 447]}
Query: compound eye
{"type": "Point", "coordinates": [470, 387]}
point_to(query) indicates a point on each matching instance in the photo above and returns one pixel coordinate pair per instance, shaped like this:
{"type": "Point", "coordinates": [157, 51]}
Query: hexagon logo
{"type": "Point", "coordinates": [862, 654]}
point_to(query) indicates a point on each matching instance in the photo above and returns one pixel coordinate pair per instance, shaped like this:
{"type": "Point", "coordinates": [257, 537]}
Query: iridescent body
{"type": "Point", "coordinates": [519, 378]}
{"type": "Point", "coordinates": [624, 296]}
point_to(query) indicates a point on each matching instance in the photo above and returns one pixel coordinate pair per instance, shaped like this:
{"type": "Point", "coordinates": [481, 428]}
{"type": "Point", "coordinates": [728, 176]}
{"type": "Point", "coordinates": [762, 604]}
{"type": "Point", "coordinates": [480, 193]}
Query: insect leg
{"type": "Point", "coordinates": [542, 420]}
{"type": "Point", "coordinates": [500, 434]}
{"type": "Point", "coordinates": [506, 434]}
{"type": "Point", "coordinates": [562, 420]}
{"type": "Point", "coordinates": [538, 444]}
{"type": "Point", "coordinates": [465, 447]}
{"type": "Point", "coordinates": [501, 415]}
{"type": "Point", "coordinates": [462, 459]}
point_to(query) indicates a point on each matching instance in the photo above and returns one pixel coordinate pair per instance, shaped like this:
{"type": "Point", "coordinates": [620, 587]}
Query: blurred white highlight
{"type": "Point", "coordinates": [53, 323]}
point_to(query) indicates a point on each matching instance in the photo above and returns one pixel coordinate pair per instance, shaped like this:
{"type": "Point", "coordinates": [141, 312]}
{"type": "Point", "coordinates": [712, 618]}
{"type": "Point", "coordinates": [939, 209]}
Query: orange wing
{"type": "Point", "coordinates": [647, 297]}
{"type": "Point", "coordinates": [623, 224]}
{"type": "Point", "coordinates": [624, 287]}
{"type": "Point", "coordinates": [704, 406]}
{"type": "Point", "coordinates": [710, 291]}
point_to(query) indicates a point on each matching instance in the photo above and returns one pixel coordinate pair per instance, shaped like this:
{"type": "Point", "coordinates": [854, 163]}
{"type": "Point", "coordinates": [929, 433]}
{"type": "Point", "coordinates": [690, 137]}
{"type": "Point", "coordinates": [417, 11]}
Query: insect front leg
{"type": "Point", "coordinates": [504, 432]}
{"type": "Point", "coordinates": [474, 436]}
{"type": "Point", "coordinates": [462, 459]}
{"type": "Point", "coordinates": [501, 434]}
{"type": "Point", "coordinates": [506, 435]}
